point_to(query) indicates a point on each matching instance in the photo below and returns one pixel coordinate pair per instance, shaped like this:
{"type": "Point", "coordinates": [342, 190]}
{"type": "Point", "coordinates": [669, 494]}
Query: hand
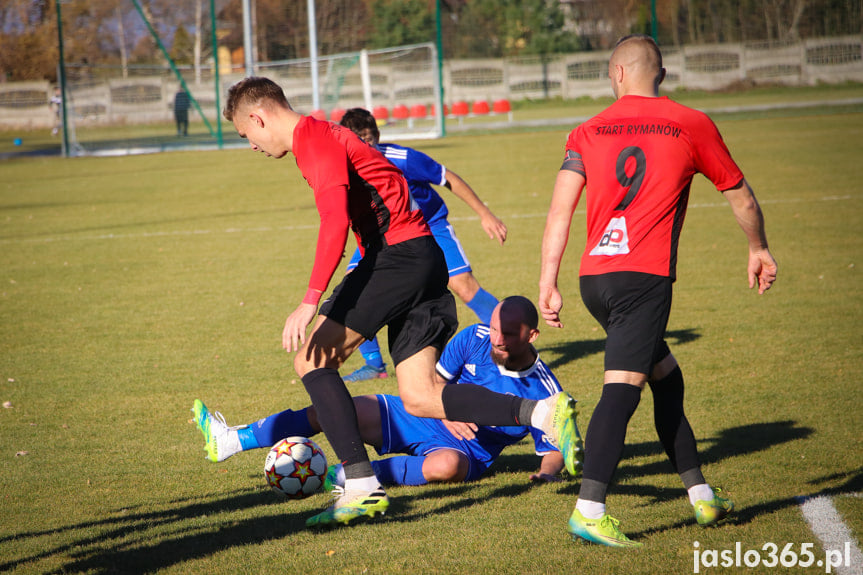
{"type": "Point", "coordinates": [762, 270]}
{"type": "Point", "coordinates": [494, 227]}
{"type": "Point", "coordinates": [550, 468]}
{"type": "Point", "coordinates": [550, 304]}
{"type": "Point", "coordinates": [294, 333]}
{"type": "Point", "coordinates": [461, 429]}
{"type": "Point", "coordinates": [548, 478]}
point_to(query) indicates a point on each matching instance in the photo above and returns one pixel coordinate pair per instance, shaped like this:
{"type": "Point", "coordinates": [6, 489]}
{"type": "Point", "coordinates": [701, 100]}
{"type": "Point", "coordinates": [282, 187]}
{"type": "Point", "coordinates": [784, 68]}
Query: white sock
{"type": "Point", "coordinates": [537, 418]}
{"type": "Point", "coordinates": [590, 509]}
{"type": "Point", "coordinates": [228, 444]}
{"type": "Point", "coordinates": [366, 484]}
{"type": "Point", "coordinates": [700, 492]}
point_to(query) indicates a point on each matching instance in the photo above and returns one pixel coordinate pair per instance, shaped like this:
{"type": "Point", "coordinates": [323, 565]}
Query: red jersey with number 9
{"type": "Point", "coordinates": [638, 158]}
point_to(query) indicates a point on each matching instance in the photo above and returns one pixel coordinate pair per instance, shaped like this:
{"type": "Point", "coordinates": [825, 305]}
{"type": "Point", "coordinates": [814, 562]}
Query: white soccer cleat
{"type": "Point", "coordinates": [222, 441]}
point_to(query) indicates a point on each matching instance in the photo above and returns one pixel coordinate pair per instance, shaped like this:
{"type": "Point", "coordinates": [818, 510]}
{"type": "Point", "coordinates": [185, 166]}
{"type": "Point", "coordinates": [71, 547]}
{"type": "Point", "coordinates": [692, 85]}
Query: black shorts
{"type": "Point", "coordinates": [403, 287]}
{"type": "Point", "coordinates": [633, 309]}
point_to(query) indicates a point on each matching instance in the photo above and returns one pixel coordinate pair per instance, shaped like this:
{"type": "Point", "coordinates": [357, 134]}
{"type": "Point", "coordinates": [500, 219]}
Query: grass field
{"type": "Point", "coordinates": [132, 285]}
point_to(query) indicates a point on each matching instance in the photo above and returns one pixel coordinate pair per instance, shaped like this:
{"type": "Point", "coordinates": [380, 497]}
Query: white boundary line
{"type": "Point", "coordinates": [67, 238]}
{"type": "Point", "coordinates": [826, 523]}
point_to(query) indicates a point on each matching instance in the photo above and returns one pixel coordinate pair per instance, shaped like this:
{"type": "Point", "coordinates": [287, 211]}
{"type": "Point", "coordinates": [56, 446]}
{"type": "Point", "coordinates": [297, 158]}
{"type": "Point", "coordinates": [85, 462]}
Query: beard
{"type": "Point", "coordinates": [521, 361]}
{"type": "Point", "coordinates": [499, 357]}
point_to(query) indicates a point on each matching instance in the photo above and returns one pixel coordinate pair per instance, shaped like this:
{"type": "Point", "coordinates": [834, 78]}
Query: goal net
{"type": "Point", "coordinates": [400, 86]}
{"type": "Point", "coordinates": [114, 111]}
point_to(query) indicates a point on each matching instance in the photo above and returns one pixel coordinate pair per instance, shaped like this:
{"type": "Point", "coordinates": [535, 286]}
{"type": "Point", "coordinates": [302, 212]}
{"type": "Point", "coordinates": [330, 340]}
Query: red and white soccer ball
{"type": "Point", "coordinates": [296, 467]}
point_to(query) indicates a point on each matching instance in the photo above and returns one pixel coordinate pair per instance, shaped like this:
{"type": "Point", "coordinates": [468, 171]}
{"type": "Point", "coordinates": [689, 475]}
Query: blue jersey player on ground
{"type": "Point", "coordinates": [423, 172]}
{"type": "Point", "coordinates": [499, 356]}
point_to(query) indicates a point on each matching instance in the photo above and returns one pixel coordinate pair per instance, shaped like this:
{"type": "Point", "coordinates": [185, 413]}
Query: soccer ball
{"type": "Point", "coordinates": [295, 467]}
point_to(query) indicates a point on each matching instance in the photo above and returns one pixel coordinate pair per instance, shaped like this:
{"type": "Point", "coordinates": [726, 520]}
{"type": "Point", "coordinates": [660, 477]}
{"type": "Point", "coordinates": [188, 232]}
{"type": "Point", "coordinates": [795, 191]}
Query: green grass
{"type": "Point", "coordinates": [132, 285]}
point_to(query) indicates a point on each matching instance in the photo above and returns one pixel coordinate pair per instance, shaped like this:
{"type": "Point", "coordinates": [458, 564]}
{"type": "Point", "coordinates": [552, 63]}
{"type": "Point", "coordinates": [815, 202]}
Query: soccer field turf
{"type": "Point", "coordinates": [133, 285]}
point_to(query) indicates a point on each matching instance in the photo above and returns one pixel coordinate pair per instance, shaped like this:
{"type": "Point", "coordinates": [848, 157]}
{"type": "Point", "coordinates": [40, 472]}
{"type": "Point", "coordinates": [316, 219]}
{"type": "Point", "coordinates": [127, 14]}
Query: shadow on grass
{"type": "Point", "coordinates": [195, 528]}
{"type": "Point", "coordinates": [731, 442]}
{"type": "Point", "coordinates": [563, 353]}
{"type": "Point", "coordinates": [853, 483]}
{"type": "Point", "coordinates": [121, 543]}
{"type": "Point", "coordinates": [109, 551]}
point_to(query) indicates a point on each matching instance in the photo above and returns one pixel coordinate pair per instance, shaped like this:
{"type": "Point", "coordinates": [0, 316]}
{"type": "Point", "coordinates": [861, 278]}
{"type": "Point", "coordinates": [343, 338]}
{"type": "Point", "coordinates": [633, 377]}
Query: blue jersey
{"type": "Point", "coordinates": [467, 359]}
{"type": "Point", "coordinates": [420, 171]}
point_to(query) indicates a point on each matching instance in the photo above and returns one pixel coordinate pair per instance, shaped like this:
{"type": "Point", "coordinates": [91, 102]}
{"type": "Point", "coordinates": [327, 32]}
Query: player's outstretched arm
{"type": "Point", "coordinates": [564, 199]}
{"type": "Point", "coordinates": [493, 226]}
{"type": "Point", "coordinates": [761, 268]}
{"type": "Point", "coordinates": [550, 468]}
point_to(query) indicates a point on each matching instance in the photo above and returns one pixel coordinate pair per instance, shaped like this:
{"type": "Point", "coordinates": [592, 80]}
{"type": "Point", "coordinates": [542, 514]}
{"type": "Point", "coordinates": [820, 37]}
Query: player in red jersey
{"type": "Point", "coordinates": [637, 159]}
{"type": "Point", "coordinates": [400, 282]}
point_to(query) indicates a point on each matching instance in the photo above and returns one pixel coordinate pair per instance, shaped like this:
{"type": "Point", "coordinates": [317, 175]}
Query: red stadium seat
{"type": "Point", "coordinates": [400, 112]}
{"type": "Point", "coordinates": [501, 107]}
{"type": "Point", "coordinates": [336, 115]}
{"type": "Point", "coordinates": [418, 111]}
{"type": "Point", "coordinates": [460, 108]}
{"type": "Point", "coordinates": [318, 115]}
{"type": "Point", "coordinates": [381, 113]}
{"type": "Point", "coordinates": [480, 108]}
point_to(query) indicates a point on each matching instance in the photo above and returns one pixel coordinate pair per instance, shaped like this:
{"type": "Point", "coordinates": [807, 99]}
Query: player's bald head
{"type": "Point", "coordinates": [519, 308]}
{"type": "Point", "coordinates": [640, 57]}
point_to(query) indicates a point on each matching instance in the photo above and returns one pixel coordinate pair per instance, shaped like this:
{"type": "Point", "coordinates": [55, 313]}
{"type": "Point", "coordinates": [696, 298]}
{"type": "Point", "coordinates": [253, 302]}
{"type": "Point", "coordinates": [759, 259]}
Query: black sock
{"type": "Point", "coordinates": [673, 428]}
{"type": "Point", "coordinates": [477, 404]}
{"type": "Point", "coordinates": [606, 435]}
{"type": "Point", "coordinates": [337, 417]}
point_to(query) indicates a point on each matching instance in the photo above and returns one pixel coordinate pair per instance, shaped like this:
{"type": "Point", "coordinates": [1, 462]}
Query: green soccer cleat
{"type": "Point", "coordinates": [603, 531]}
{"type": "Point", "coordinates": [221, 441]}
{"type": "Point", "coordinates": [560, 421]}
{"type": "Point", "coordinates": [350, 506]}
{"type": "Point", "coordinates": [711, 512]}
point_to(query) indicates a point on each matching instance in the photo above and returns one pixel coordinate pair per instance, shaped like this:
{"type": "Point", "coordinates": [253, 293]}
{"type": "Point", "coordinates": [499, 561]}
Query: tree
{"type": "Point", "coordinates": [782, 18]}
{"type": "Point", "coordinates": [282, 27]}
{"type": "Point", "coordinates": [491, 28]}
{"type": "Point", "coordinates": [28, 43]}
{"type": "Point", "coordinates": [400, 22]}
{"type": "Point", "coordinates": [534, 27]}
{"type": "Point", "coordinates": [182, 48]}
{"type": "Point", "coordinates": [473, 30]}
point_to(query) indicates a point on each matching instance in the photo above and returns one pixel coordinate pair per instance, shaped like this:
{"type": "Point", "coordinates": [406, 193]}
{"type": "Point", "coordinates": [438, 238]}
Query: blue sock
{"type": "Point", "coordinates": [400, 470]}
{"type": "Point", "coordinates": [482, 304]}
{"type": "Point", "coordinates": [247, 438]}
{"type": "Point", "coordinates": [372, 353]}
{"type": "Point", "coordinates": [274, 428]}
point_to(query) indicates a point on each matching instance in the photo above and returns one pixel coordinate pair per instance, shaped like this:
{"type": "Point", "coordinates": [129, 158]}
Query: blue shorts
{"type": "Point", "coordinates": [456, 260]}
{"type": "Point", "coordinates": [408, 434]}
